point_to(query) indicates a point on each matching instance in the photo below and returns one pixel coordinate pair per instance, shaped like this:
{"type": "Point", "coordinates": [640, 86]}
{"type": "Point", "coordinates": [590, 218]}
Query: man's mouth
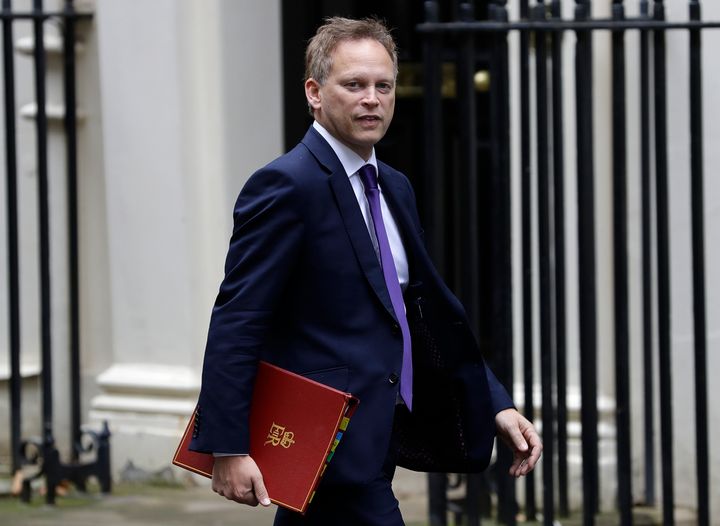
{"type": "Point", "coordinates": [369, 118]}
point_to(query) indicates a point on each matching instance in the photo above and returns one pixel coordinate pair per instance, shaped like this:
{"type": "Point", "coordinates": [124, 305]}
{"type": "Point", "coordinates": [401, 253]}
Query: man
{"type": "Point", "coordinates": [326, 275]}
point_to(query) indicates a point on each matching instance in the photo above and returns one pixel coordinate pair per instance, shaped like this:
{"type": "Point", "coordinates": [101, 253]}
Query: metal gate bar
{"type": "Point", "coordinates": [547, 354]}
{"type": "Point", "coordinates": [500, 264]}
{"type": "Point", "coordinates": [698, 262]}
{"type": "Point", "coordinates": [467, 253]}
{"type": "Point", "coordinates": [558, 191]}
{"type": "Point", "coordinates": [586, 265]}
{"type": "Point", "coordinates": [620, 268]}
{"type": "Point", "coordinates": [527, 237]}
{"type": "Point", "coordinates": [12, 237]}
{"type": "Point", "coordinates": [647, 273]}
{"type": "Point", "coordinates": [663, 263]}
{"type": "Point", "coordinates": [70, 124]}
{"type": "Point", "coordinates": [44, 235]}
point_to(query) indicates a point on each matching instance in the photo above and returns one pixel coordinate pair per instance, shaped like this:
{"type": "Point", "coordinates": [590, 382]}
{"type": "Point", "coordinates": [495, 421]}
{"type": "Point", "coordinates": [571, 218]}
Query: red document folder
{"type": "Point", "coordinates": [295, 426]}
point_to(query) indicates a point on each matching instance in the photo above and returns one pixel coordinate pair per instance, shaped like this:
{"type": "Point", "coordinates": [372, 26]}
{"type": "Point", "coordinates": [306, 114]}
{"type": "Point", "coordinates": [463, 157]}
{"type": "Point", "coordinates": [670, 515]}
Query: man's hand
{"type": "Point", "coordinates": [520, 436]}
{"type": "Point", "coordinates": [238, 478]}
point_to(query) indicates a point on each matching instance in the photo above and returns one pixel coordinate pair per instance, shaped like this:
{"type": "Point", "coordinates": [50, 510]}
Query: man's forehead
{"type": "Point", "coordinates": [360, 54]}
{"type": "Point", "coordinates": [359, 45]}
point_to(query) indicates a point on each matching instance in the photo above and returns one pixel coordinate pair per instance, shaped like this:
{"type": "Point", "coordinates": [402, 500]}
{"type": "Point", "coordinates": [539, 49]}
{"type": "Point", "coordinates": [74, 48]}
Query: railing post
{"type": "Point", "coordinates": [547, 354]}
{"type": "Point", "coordinates": [49, 453]}
{"type": "Point", "coordinates": [500, 264]}
{"type": "Point", "coordinates": [698, 259]}
{"type": "Point", "coordinates": [70, 123]}
{"type": "Point", "coordinates": [467, 243]}
{"type": "Point", "coordinates": [527, 245]}
{"type": "Point", "coordinates": [435, 211]}
{"type": "Point", "coordinates": [558, 99]}
{"type": "Point", "coordinates": [469, 222]}
{"type": "Point", "coordinates": [433, 121]}
{"type": "Point", "coordinates": [437, 499]}
{"type": "Point", "coordinates": [622, 337]}
{"type": "Point", "coordinates": [586, 264]}
{"type": "Point", "coordinates": [12, 238]}
{"type": "Point", "coordinates": [663, 262]}
{"type": "Point", "coordinates": [103, 471]}
{"type": "Point", "coordinates": [647, 267]}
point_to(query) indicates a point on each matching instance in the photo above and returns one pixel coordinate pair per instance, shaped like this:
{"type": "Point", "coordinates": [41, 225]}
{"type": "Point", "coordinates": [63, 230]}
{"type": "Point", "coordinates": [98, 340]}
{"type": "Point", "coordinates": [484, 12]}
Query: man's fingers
{"type": "Point", "coordinates": [243, 496]}
{"type": "Point", "coordinates": [534, 457]}
{"type": "Point", "coordinates": [260, 492]}
{"type": "Point", "coordinates": [530, 458]}
{"type": "Point", "coordinates": [518, 440]}
{"type": "Point", "coordinates": [247, 498]}
{"type": "Point", "coordinates": [535, 449]}
{"type": "Point", "coordinates": [516, 466]}
{"type": "Point", "coordinates": [238, 478]}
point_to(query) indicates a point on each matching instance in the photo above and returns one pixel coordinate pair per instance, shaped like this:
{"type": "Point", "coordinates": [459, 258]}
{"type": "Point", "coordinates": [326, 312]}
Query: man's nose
{"type": "Point", "coordinates": [371, 98]}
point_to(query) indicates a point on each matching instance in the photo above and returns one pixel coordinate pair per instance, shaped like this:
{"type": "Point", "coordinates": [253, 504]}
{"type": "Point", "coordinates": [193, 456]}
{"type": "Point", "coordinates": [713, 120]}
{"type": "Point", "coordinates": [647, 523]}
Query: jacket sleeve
{"type": "Point", "coordinates": [499, 397]}
{"type": "Point", "coordinates": [264, 246]}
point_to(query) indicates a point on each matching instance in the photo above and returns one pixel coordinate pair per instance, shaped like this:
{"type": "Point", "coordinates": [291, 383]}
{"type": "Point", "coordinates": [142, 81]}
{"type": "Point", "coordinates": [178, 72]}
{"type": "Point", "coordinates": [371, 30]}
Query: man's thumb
{"type": "Point", "coordinates": [261, 493]}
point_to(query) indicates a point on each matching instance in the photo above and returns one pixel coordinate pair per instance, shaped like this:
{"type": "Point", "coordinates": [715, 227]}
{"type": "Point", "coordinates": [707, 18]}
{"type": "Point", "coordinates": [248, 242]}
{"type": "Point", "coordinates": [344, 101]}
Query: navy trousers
{"type": "Point", "coordinates": [369, 505]}
{"type": "Point", "coordinates": [372, 504]}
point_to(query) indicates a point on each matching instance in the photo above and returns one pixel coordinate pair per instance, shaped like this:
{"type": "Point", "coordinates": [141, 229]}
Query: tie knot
{"type": "Point", "coordinates": [368, 177]}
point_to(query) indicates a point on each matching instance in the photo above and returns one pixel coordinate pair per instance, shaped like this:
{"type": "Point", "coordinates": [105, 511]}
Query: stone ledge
{"type": "Point", "coordinates": [150, 379]}
{"type": "Point", "coordinates": [142, 404]}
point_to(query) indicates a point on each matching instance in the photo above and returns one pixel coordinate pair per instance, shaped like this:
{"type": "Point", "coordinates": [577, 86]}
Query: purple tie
{"type": "Point", "coordinates": [370, 182]}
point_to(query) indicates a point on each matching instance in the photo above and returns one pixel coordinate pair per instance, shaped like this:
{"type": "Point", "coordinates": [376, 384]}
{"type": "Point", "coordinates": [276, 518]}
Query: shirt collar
{"type": "Point", "coordinates": [350, 161]}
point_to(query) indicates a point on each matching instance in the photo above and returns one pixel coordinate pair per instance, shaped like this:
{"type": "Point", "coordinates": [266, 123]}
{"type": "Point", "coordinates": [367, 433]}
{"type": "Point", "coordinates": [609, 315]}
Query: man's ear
{"type": "Point", "coordinates": [312, 93]}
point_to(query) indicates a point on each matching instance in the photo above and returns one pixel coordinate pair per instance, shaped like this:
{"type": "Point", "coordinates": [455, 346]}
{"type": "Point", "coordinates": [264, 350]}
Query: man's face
{"type": "Point", "coordinates": [357, 100]}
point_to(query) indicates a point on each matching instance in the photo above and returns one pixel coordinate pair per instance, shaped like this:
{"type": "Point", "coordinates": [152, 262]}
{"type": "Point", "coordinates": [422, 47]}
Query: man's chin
{"type": "Point", "coordinates": [369, 138]}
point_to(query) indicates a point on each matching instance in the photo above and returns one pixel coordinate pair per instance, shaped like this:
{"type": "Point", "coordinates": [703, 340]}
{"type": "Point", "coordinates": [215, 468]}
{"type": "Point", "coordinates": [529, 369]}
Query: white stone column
{"type": "Point", "coordinates": [169, 77]}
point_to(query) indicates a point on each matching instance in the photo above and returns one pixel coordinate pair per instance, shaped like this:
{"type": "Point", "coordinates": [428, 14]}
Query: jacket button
{"type": "Point", "coordinates": [393, 378]}
{"type": "Point", "coordinates": [396, 329]}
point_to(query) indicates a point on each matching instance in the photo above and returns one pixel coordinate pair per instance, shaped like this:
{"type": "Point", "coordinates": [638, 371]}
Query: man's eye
{"type": "Point", "coordinates": [384, 88]}
{"type": "Point", "coordinates": [352, 85]}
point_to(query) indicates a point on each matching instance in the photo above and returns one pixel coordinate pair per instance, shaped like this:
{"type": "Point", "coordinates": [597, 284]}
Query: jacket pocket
{"type": "Point", "coordinates": [335, 377]}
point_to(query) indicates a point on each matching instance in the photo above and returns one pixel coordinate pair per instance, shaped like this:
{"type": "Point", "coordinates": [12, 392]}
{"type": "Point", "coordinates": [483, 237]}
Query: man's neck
{"type": "Point", "coordinates": [348, 157]}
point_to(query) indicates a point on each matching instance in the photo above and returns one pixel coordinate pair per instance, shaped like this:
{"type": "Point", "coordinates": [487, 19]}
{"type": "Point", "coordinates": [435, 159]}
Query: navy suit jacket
{"type": "Point", "coordinates": [304, 290]}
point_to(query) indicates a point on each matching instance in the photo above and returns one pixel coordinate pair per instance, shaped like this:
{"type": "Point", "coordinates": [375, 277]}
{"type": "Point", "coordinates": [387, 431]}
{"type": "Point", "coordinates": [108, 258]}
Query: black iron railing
{"type": "Point", "coordinates": [541, 24]}
{"type": "Point", "coordinates": [42, 451]}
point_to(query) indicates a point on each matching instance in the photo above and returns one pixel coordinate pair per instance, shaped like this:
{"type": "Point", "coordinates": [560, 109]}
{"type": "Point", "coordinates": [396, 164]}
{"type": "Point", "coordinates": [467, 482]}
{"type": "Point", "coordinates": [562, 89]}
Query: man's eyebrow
{"type": "Point", "coordinates": [365, 78]}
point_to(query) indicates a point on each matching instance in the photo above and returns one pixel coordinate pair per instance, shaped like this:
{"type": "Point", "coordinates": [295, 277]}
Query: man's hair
{"type": "Point", "coordinates": [318, 55]}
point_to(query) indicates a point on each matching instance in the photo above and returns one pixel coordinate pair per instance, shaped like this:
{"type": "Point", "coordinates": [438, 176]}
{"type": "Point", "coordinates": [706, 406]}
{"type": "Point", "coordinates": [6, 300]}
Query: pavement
{"type": "Point", "coordinates": [155, 503]}
{"type": "Point", "coordinates": [169, 501]}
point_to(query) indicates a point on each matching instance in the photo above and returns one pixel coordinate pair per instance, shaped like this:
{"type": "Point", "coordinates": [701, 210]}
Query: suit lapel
{"type": "Point", "coordinates": [359, 236]}
{"type": "Point", "coordinates": [352, 217]}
